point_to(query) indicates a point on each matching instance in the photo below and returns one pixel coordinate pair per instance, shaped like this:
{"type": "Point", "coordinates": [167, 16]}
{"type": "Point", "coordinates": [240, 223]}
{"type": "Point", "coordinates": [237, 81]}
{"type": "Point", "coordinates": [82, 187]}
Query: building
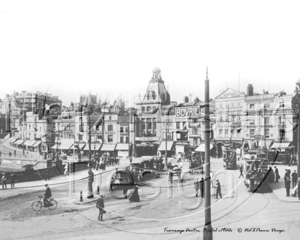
{"type": "Point", "coordinates": [148, 132]}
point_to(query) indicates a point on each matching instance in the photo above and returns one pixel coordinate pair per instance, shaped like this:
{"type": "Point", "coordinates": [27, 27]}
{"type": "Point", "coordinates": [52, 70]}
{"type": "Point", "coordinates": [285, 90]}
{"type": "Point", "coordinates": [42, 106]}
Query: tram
{"type": "Point", "coordinates": [229, 157]}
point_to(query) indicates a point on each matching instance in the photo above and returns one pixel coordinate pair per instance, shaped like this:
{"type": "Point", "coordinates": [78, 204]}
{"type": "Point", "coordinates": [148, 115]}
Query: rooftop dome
{"type": "Point", "coordinates": [156, 70]}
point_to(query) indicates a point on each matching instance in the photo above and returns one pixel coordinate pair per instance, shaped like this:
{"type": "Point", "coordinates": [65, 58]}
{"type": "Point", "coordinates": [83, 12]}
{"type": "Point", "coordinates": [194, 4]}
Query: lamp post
{"type": "Point", "coordinates": [207, 231]}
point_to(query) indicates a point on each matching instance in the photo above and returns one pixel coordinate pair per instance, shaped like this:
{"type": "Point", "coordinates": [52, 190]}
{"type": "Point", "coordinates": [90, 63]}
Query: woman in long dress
{"type": "Point", "coordinates": [135, 197]}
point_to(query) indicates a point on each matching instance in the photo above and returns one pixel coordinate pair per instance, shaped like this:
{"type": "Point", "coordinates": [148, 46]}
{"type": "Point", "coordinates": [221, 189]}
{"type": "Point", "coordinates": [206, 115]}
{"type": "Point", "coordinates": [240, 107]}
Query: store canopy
{"type": "Point", "coordinates": [122, 146]}
{"type": "Point", "coordinates": [281, 145]}
{"type": "Point", "coordinates": [55, 146]}
{"type": "Point", "coordinates": [79, 146]}
{"type": "Point", "coordinates": [108, 147]}
{"type": "Point", "coordinates": [13, 139]}
{"type": "Point", "coordinates": [19, 142]}
{"type": "Point", "coordinates": [66, 144]}
{"type": "Point", "coordinates": [162, 146]}
{"type": "Point", "coordinates": [36, 144]}
{"type": "Point", "coordinates": [268, 143]}
{"type": "Point", "coordinates": [201, 147]}
{"type": "Point", "coordinates": [94, 146]}
{"type": "Point", "coordinates": [29, 143]}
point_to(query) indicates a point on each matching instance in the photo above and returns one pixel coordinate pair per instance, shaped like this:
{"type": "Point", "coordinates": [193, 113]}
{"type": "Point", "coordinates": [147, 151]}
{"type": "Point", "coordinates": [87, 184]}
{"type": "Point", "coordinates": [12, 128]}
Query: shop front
{"type": "Point", "coordinates": [122, 150]}
{"type": "Point", "coordinates": [166, 146]}
{"type": "Point", "coordinates": [108, 149]}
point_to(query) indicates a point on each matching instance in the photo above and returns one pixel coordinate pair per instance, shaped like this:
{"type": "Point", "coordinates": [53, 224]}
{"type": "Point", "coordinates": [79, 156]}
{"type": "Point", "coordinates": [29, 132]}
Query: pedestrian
{"type": "Point", "coordinates": [202, 187]}
{"type": "Point", "coordinates": [100, 206]}
{"type": "Point", "coordinates": [241, 171]}
{"type": "Point", "coordinates": [276, 174]}
{"type": "Point", "coordinates": [197, 186]}
{"type": "Point", "coordinates": [90, 183]}
{"type": "Point", "coordinates": [294, 179]}
{"type": "Point", "coordinates": [15, 152]}
{"type": "Point", "coordinates": [287, 184]}
{"type": "Point", "coordinates": [271, 175]}
{"type": "Point", "coordinates": [12, 180]}
{"type": "Point", "coordinates": [140, 176]}
{"type": "Point", "coordinates": [299, 188]}
{"type": "Point", "coordinates": [135, 197]}
{"type": "Point", "coordinates": [4, 179]}
{"type": "Point", "coordinates": [218, 190]}
{"type": "Point", "coordinates": [286, 175]}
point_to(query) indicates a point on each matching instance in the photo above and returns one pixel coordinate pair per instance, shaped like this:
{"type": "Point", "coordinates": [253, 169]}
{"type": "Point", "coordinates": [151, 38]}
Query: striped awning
{"type": "Point", "coordinates": [19, 142]}
{"type": "Point", "coordinates": [13, 139]}
{"type": "Point", "coordinates": [94, 146]}
{"type": "Point", "coordinates": [281, 145]}
{"type": "Point", "coordinates": [122, 146]}
{"type": "Point", "coordinates": [29, 143]}
{"type": "Point", "coordinates": [108, 147]}
{"type": "Point", "coordinates": [201, 148]}
{"type": "Point", "coordinates": [66, 144]}
{"type": "Point", "coordinates": [36, 144]}
{"type": "Point", "coordinates": [162, 146]}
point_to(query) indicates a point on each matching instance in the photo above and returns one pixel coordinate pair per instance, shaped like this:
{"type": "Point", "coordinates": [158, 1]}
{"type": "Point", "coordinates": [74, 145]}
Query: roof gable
{"type": "Point", "coordinates": [230, 93]}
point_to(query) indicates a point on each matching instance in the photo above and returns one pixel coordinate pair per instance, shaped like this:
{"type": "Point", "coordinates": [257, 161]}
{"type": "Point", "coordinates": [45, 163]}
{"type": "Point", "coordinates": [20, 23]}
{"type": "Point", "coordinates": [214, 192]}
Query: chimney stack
{"type": "Point", "coordinates": [249, 90]}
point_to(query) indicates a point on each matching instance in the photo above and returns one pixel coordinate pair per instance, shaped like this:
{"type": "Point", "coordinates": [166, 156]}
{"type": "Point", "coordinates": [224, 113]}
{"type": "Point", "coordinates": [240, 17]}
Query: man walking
{"type": "Point", "coordinates": [100, 206]}
{"type": "Point", "coordinates": [218, 190]}
{"type": "Point", "coordinates": [287, 186]}
{"type": "Point", "coordinates": [202, 187]}
{"type": "Point", "coordinates": [276, 174]}
{"type": "Point", "coordinates": [294, 179]}
{"type": "Point", "coordinates": [196, 186]}
{"type": "Point", "coordinates": [4, 186]}
{"type": "Point", "coordinates": [12, 180]}
{"type": "Point", "coordinates": [241, 171]}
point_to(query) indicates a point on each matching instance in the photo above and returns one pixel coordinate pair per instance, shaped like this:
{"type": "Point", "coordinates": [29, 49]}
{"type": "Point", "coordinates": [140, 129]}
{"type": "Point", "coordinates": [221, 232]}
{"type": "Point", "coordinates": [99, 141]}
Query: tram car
{"type": "Point", "coordinates": [255, 170]}
{"type": "Point", "coordinates": [229, 157]}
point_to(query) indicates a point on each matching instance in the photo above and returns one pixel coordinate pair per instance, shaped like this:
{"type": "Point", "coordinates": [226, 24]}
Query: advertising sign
{"type": "Point", "coordinates": [193, 111]}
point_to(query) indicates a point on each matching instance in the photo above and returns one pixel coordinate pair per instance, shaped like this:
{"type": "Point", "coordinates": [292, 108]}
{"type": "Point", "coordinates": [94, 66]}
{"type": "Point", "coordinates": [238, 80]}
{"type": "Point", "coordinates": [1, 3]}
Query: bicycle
{"type": "Point", "coordinates": [37, 205]}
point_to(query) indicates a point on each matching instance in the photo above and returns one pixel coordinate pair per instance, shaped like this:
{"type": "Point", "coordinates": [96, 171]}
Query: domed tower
{"type": "Point", "coordinates": [156, 90]}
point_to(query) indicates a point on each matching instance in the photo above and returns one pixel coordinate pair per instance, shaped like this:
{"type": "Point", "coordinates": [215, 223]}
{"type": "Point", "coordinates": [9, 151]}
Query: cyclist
{"type": "Point", "coordinates": [47, 195]}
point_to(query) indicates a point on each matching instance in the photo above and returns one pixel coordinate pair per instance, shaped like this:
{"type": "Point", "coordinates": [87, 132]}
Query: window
{"type": "Point", "coordinates": [281, 134]}
{"type": "Point", "coordinates": [252, 133]}
{"type": "Point", "coordinates": [177, 125]}
{"type": "Point", "coordinates": [143, 109]}
{"type": "Point", "coordinates": [127, 139]}
{"type": "Point", "coordinates": [154, 125]}
{"type": "Point", "coordinates": [126, 129]}
{"type": "Point", "coordinates": [109, 138]}
{"type": "Point", "coordinates": [267, 120]}
{"type": "Point", "coordinates": [226, 132]}
{"type": "Point", "coordinates": [110, 127]}
{"type": "Point", "coordinates": [267, 133]}
{"type": "Point", "coordinates": [279, 120]}
{"type": "Point", "coordinates": [252, 106]}
{"type": "Point", "coordinates": [148, 109]}
{"type": "Point", "coordinates": [221, 132]}
{"type": "Point", "coordinates": [121, 129]}
{"type": "Point", "coordinates": [121, 140]}
{"type": "Point", "coordinates": [238, 133]}
{"type": "Point", "coordinates": [109, 118]}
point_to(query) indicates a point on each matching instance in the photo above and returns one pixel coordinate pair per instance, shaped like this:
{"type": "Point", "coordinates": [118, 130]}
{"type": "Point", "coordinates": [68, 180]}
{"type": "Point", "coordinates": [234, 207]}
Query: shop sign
{"type": "Point", "coordinates": [146, 138]}
{"type": "Point", "coordinates": [187, 111]}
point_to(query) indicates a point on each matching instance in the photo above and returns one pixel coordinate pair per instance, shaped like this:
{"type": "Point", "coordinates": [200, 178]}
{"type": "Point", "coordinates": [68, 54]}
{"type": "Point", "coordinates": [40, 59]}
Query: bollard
{"type": "Point", "coordinates": [81, 199]}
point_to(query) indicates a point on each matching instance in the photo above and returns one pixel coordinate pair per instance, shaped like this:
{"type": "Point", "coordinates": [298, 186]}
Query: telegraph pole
{"type": "Point", "coordinates": [207, 231]}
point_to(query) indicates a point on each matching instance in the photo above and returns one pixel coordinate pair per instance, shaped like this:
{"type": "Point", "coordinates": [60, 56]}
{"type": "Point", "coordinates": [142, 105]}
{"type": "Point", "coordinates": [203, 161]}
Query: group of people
{"type": "Point", "coordinates": [291, 178]}
{"type": "Point", "coordinates": [5, 179]}
{"type": "Point", "coordinates": [200, 186]}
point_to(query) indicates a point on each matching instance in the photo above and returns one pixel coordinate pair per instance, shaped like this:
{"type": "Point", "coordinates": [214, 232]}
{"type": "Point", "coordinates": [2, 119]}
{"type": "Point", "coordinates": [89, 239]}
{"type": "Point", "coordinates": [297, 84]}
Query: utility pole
{"type": "Point", "coordinates": [207, 231]}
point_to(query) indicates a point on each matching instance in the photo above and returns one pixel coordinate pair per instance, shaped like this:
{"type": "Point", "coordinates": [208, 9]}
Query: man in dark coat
{"type": "Point", "coordinates": [100, 206]}
{"type": "Point", "coordinates": [135, 197]}
{"type": "Point", "coordinates": [218, 190]}
{"type": "Point", "coordinates": [241, 171]}
{"type": "Point", "coordinates": [202, 187]}
{"type": "Point", "coordinates": [287, 184]}
{"type": "Point", "coordinates": [294, 179]}
{"type": "Point", "coordinates": [12, 180]}
{"type": "Point", "coordinates": [276, 174]}
{"type": "Point", "coordinates": [47, 195]}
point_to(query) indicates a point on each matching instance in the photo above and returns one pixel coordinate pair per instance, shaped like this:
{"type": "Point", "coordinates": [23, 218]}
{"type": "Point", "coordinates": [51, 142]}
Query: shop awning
{"type": "Point", "coordinates": [280, 145]}
{"type": "Point", "coordinates": [55, 146]}
{"type": "Point", "coordinates": [108, 147]}
{"type": "Point", "coordinates": [66, 144]}
{"type": "Point", "coordinates": [268, 143]}
{"type": "Point", "coordinates": [162, 146]}
{"type": "Point", "coordinates": [29, 143]}
{"type": "Point", "coordinates": [79, 146]}
{"type": "Point", "coordinates": [37, 144]}
{"type": "Point", "coordinates": [122, 146]}
{"type": "Point", "coordinates": [19, 142]}
{"type": "Point", "coordinates": [201, 147]}
{"type": "Point", "coordinates": [93, 147]}
{"type": "Point", "coordinates": [13, 139]}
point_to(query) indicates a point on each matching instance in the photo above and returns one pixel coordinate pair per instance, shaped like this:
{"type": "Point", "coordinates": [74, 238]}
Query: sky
{"type": "Point", "coordinates": [110, 48]}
